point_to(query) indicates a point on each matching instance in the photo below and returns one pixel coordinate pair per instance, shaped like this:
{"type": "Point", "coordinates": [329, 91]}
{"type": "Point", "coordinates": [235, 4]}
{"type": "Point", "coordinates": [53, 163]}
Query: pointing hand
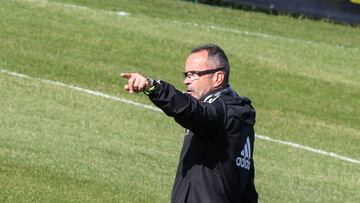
{"type": "Point", "coordinates": [136, 82]}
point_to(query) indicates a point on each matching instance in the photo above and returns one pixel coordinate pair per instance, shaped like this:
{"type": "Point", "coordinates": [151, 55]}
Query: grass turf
{"type": "Point", "coordinates": [302, 76]}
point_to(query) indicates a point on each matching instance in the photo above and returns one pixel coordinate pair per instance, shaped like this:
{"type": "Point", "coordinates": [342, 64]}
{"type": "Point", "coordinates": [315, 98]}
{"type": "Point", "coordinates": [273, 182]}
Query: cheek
{"type": "Point", "coordinates": [195, 88]}
{"type": "Point", "coordinates": [202, 88]}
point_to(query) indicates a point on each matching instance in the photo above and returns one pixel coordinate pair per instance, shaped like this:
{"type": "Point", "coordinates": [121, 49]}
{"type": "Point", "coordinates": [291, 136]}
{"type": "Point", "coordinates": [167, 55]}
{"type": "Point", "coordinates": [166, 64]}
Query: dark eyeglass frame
{"type": "Point", "coordinates": [204, 72]}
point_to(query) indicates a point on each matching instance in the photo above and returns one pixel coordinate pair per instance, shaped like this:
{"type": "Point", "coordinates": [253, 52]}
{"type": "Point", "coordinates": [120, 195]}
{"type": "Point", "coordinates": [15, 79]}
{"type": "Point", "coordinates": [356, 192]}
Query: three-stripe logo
{"type": "Point", "coordinates": [244, 160]}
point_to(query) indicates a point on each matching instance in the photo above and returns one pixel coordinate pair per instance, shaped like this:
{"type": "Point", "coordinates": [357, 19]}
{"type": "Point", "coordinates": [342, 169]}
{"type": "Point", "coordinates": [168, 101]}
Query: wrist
{"type": "Point", "coordinates": [150, 87]}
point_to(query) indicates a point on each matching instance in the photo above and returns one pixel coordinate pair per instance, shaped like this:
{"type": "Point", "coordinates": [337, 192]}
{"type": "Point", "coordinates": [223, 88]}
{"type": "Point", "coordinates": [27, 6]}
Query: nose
{"type": "Point", "coordinates": [187, 81]}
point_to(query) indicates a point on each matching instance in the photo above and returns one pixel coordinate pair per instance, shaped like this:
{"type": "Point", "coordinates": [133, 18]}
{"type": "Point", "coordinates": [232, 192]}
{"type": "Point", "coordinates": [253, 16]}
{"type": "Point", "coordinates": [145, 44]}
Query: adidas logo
{"type": "Point", "coordinates": [211, 98]}
{"type": "Point", "coordinates": [244, 160]}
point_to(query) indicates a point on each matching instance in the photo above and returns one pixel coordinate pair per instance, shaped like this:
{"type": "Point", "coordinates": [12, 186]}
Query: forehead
{"type": "Point", "coordinates": [197, 61]}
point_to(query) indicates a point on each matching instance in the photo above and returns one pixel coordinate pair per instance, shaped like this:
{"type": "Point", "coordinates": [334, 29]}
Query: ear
{"type": "Point", "coordinates": [218, 79]}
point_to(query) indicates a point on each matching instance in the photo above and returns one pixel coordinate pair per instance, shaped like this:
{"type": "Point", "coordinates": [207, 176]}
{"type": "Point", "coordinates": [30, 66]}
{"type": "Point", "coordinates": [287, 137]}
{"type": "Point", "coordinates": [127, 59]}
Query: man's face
{"type": "Point", "coordinates": [198, 86]}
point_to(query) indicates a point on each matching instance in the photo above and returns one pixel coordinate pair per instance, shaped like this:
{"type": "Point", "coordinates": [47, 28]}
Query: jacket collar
{"type": "Point", "coordinates": [214, 94]}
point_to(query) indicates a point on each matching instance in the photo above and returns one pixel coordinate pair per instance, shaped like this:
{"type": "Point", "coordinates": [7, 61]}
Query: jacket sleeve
{"type": "Point", "coordinates": [195, 115]}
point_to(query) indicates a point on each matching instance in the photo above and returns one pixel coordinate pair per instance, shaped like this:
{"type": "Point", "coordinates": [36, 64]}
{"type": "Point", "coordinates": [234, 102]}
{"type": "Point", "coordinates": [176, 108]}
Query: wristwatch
{"type": "Point", "coordinates": [151, 88]}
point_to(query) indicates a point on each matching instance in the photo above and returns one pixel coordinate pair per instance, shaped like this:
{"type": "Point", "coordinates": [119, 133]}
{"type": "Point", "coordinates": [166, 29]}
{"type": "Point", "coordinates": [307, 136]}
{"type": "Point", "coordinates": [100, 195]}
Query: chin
{"type": "Point", "coordinates": [189, 93]}
{"type": "Point", "coordinates": [195, 95]}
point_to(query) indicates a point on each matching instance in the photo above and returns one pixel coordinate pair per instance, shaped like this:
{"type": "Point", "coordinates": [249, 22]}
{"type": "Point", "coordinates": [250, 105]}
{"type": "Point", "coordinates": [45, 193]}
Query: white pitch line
{"type": "Point", "coordinates": [78, 7]}
{"type": "Point", "coordinates": [122, 13]}
{"type": "Point", "coordinates": [92, 92]}
{"type": "Point", "coordinates": [317, 151]}
{"type": "Point", "coordinates": [126, 101]}
{"type": "Point", "coordinates": [262, 35]}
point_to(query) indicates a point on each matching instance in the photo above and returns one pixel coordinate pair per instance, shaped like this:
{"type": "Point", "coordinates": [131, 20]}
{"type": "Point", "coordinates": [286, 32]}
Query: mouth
{"type": "Point", "coordinates": [187, 91]}
{"type": "Point", "coordinates": [191, 93]}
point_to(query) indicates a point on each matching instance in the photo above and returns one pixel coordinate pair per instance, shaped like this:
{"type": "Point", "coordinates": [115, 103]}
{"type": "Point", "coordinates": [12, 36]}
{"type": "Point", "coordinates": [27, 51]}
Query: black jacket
{"type": "Point", "coordinates": [216, 162]}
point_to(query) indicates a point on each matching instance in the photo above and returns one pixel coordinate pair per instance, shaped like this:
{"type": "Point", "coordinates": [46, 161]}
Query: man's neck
{"type": "Point", "coordinates": [214, 91]}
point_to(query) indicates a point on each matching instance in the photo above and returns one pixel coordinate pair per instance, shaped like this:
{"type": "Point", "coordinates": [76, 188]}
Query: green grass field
{"type": "Point", "coordinates": [61, 145]}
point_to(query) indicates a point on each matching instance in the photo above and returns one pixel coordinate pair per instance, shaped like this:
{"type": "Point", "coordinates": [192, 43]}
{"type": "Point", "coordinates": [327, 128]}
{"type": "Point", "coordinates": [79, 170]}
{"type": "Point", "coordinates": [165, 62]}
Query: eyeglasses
{"type": "Point", "coordinates": [195, 75]}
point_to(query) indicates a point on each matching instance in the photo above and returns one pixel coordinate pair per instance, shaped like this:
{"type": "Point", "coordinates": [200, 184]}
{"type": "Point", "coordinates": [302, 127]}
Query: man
{"type": "Point", "coordinates": [216, 162]}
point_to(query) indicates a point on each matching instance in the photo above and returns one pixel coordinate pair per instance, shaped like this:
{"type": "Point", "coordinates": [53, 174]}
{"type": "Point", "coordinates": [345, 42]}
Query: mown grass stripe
{"type": "Point", "coordinates": [209, 27]}
{"type": "Point", "coordinates": [268, 36]}
{"type": "Point", "coordinates": [126, 101]}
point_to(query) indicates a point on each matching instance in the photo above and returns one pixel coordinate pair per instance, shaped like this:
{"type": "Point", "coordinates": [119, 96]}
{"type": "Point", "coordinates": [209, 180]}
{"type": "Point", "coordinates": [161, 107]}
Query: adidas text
{"type": "Point", "coordinates": [244, 163]}
{"type": "Point", "coordinates": [244, 160]}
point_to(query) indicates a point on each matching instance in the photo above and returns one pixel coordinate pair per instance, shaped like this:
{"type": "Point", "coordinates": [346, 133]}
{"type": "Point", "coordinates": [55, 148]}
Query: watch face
{"type": "Point", "coordinates": [151, 82]}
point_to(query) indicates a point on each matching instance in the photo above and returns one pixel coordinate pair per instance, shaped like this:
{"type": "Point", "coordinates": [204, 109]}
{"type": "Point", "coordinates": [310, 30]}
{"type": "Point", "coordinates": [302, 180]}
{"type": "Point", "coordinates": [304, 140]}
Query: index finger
{"type": "Point", "coordinates": [126, 75]}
